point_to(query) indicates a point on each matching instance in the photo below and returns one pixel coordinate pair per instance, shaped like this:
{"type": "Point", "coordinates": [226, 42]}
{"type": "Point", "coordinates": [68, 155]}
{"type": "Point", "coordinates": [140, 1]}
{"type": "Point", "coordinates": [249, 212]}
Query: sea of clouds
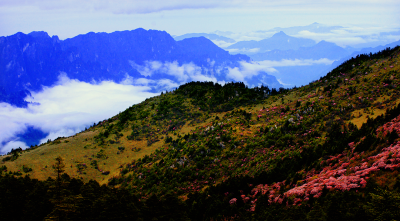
{"type": "Point", "coordinates": [70, 105]}
{"type": "Point", "coordinates": [67, 108]}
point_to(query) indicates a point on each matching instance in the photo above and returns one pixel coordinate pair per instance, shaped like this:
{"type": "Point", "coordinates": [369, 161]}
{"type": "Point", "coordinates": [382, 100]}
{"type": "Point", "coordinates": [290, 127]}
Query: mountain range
{"type": "Point", "coordinates": [314, 27]}
{"type": "Point", "coordinates": [323, 49]}
{"type": "Point", "coordinates": [212, 37]}
{"type": "Point", "coordinates": [30, 61]}
{"type": "Point", "coordinates": [279, 41]}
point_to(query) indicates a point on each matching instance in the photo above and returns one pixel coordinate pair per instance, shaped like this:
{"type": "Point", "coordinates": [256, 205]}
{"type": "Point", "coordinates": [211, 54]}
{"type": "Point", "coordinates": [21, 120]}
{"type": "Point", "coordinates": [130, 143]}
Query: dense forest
{"type": "Point", "coordinates": [327, 151]}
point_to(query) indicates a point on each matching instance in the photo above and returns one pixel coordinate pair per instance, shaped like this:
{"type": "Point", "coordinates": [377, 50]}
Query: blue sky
{"type": "Point", "coordinates": [68, 18]}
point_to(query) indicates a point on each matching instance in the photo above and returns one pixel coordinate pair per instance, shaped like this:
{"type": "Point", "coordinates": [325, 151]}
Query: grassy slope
{"type": "Point", "coordinates": [83, 148]}
{"type": "Point", "coordinates": [185, 112]}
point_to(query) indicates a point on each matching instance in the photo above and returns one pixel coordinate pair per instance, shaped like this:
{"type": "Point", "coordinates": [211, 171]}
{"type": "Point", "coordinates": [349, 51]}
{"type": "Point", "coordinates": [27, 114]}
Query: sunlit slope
{"type": "Point", "coordinates": [203, 134]}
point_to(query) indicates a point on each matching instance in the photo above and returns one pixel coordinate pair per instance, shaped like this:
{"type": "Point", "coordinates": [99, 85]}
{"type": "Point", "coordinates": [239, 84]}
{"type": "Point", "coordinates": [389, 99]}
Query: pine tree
{"type": "Point", "coordinates": [65, 203]}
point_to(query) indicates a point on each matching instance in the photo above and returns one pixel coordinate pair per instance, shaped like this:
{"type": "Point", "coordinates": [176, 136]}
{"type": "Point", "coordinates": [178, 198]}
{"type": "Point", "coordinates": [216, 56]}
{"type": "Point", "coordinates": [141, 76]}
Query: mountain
{"type": "Point", "coordinates": [279, 41]}
{"type": "Point", "coordinates": [30, 61]}
{"type": "Point", "coordinates": [314, 27]}
{"type": "Point", "coordinates": [205, 151]}
{"type": "Point", "coordinates": [323, 49]}
{"type": "Point", "coordinates": [292, 73]}
{"type": "Point", "coordinates": [212, 37]}
{"type": "Point", "coordinates": [222, 33]}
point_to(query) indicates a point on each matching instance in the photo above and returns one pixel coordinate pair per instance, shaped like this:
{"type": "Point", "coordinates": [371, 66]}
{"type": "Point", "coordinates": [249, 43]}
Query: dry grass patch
{"type": "Point", "coordinates": [81, 149]}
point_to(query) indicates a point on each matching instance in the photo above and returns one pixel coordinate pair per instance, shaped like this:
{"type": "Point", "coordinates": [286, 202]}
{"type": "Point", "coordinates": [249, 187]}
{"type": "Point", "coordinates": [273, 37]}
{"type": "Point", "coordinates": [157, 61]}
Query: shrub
{"type": "Point", "coordinates": [7, 158]}
{"type": "Point", "coordinates": [26, 169]}
{"type": "Point", "coordinates": [94, 164]}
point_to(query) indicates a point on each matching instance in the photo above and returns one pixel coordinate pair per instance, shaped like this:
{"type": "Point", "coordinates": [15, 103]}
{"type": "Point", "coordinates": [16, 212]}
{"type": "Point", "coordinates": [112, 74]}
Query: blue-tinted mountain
{"type": "Point", "coordinates": [314, 27]}
{"type": "Point", "coordinates": [323, 49]}
{"type": "Point", "coordinates": [222, 33]}
{"type": "Point", "coordinates": [30, 61]}
{"type": "Point", "coordinates": [37, 59]}
{"type": "Point", "coordinates": [279, 41]}
{"type": "Point", "coordinates": [212, 37]}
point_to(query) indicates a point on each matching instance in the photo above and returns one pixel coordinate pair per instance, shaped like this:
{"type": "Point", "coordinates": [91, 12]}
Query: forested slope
{"type": "Point", "coordinates": [328, 150]}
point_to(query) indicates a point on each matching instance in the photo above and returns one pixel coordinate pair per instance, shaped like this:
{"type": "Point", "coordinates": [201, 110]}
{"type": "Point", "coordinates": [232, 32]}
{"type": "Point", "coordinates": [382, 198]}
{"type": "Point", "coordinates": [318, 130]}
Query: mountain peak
{"type": "Point", "coordinates": [39, 34]}
{"type": "Point", "coordinates": [280, 34]}
{"type": "Point", "coordinates": [199, 44]}
{"type": "Point", "coordinates": [323, 42]}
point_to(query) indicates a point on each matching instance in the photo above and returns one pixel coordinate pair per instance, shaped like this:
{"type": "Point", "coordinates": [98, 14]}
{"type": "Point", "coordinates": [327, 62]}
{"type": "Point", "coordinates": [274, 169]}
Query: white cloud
{"type": "Point", "coordinates": [128, 80]}
{"type": "Point", "coordinates": [67, 108]}
{"type": "Point", "coordinates": [148, 69]}
{"type": "Point", "coordinates": [295, 62]}
{"type": "Point", "coordinates": [62, 132]}
{"type": "Point", "coordinates": [251, 35]}
{"type": "Point", "coordinates": [280, 82]}
{"type": "Point", "coordinates": [143, 81]}
{"type": "Point", "coordinates": [13, 145]}
{"type": "Point", "coordinates": [167, 84]}
{"type": "Point", "coordinates": [190, 72]}
{"type": "Point", "coordinates": [243, 50]}
{"type": "Point", "coordinates": [352, 35]}
{"type": "Point", "coordinates": [145, 6]}
{"type": "Point", "coordinates": [182, 73]}
{"type": "Point", "coordinates": [339, 37]}
{"type": "Point", "coordinates": [222, 44]}
{"type": "Point", "coordinates": [120, 7]}
{"type": "Point", "coordinates": [236, 74]}
{"type": "Point", "coordinates": [247, 70]}
{"type": "Point", "coordinates": [158, 85]}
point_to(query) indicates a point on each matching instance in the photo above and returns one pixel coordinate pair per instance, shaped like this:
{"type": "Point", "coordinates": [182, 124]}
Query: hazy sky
{"type": "Point", "coordinates": [68, 18]}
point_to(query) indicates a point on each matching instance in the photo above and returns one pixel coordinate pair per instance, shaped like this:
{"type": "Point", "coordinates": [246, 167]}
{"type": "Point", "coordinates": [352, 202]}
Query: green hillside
{"type": "Point", "coordinates": [325, 151]}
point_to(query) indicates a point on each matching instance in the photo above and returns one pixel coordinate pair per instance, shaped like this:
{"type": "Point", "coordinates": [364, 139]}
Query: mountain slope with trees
{"type": "Point", "coordinates": [329, 150]}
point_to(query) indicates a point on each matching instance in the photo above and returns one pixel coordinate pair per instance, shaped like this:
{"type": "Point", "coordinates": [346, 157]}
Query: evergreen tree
{"type": "Point", "coordinates": [65, 203]}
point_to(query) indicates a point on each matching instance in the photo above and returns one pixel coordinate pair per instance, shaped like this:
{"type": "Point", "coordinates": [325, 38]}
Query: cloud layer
{"type": "Point", "coordinates": [182, 73]}
{"type": "Point", "coordinates": [67, 108]}
{"type": "Point", "coordinates": [353, 36]}
{"type": "Point", "coordinates": [295, 62]}
{"type": "Point", "coordinates": [144, 6]}
{"type": "Point", "coordinates": [248, 70]}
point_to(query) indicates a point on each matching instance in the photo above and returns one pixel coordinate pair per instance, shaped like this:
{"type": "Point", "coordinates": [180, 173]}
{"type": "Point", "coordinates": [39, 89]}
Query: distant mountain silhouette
{"type": "Point", "coordinates": [323, 49]}
{"type": "Point", "coordinates": [209, 36]}
{"type": "Point", "coordinates": [279, 41]}
{"type": "Point", "coordinates": [314, 27]}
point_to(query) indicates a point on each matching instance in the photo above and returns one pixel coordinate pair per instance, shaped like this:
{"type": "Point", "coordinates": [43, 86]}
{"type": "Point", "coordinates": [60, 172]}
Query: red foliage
{"type": "Point", "coordinates": [340, 176]}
